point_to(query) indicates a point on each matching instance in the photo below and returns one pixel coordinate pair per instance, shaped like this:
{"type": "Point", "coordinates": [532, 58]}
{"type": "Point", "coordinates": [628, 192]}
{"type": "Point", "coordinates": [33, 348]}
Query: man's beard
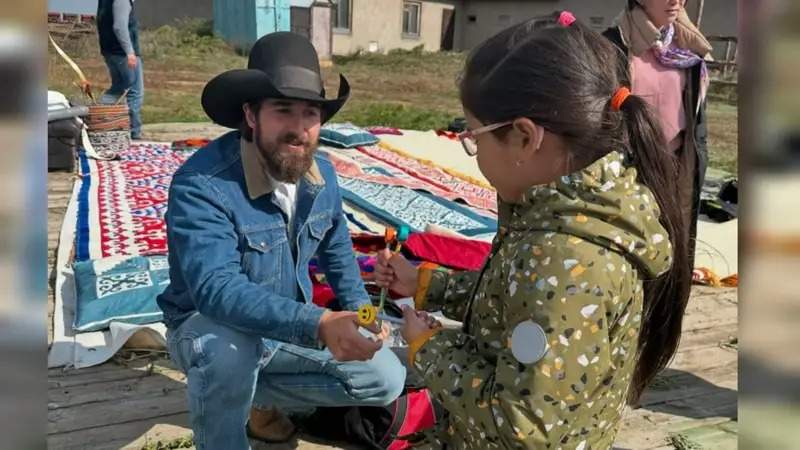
{"type": "Point", "coordinates": [282, 163]}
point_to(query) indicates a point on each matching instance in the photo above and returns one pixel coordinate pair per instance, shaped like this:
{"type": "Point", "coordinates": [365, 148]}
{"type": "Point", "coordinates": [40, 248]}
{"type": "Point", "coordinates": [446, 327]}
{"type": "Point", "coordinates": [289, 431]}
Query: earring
{"type": "Point", "coordinates": [519, 163]}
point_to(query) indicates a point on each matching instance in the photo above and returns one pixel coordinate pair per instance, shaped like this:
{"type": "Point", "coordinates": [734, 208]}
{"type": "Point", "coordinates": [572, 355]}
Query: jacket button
{"type": "Point", "coordinates": [263, 244]}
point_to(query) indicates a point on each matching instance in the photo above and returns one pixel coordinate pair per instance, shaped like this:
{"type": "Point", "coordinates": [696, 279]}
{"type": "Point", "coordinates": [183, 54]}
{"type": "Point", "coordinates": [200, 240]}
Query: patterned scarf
{"type": "Point", "coordinates": [680, 58]}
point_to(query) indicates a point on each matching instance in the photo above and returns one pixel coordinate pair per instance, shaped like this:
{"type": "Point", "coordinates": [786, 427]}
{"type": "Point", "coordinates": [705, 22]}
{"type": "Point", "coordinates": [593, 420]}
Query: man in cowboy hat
{"type": "Point", "coordinates": [245, 215]}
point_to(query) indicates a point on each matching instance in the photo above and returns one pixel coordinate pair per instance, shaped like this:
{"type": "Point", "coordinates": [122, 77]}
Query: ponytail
{"type": "Point", "coordinates": [665, 297]}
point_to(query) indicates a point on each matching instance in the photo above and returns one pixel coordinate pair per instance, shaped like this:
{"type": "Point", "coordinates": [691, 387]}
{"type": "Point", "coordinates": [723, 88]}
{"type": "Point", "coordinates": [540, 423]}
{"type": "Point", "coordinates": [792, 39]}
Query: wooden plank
{"type": "Point", "coordinates": [710, 319]}
{"type": "Point", "coordinates": [109, 366]}
{"type": "Point", "coordinates": [650, 435]}
{"type": "Point", "coordinates": [58, 200]}
{"type": "Point", "coordinates": [137, 434]}
{"type": "Point", "coordinates": [83, 378]}
{"type": "Point", "coordinates": [648, 426]}
{"type": "Point", "coordinates": [113, 412]}
{"type": "Point", "coordinates": [133, 434]}
{"type": "Point", "coordinates": [681, 415]}
{"type": "Point", "coordinates": [702, 358]}
{"type": "Point", "coordinates": [686, 385]}
{"type": "Point", "coordinates": [706, 310]}
{"type": "Point", "coordinates": [119, 390]}
{"type": "Point", "coordinates": [118, 363]}
{"type": "Point", "coordinates": [707, 337]}
{"type": "Point", "coordinates": [59, 191]}
{"type": "Point", "coordinates": [649, 430]}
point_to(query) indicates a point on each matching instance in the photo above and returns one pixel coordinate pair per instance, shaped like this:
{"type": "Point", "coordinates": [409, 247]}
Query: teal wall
{"type": "Point", "coordinates": [242, 22]}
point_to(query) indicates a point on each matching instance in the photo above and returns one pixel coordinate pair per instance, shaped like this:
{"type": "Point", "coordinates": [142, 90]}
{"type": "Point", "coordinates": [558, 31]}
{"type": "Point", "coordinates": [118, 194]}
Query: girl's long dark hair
{"type": "Point", "coordinates": [563, 78]}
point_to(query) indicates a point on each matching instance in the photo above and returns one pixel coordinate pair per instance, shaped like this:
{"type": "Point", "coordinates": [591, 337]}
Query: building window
{"type": "Point", "coordinates": [411, 17]}
{"type": "Point", "coordinates": [341, 15]}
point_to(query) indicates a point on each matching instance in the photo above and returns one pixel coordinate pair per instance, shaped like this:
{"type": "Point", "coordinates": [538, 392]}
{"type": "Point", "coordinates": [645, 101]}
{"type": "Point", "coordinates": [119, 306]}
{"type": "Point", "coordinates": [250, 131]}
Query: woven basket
{"type": "Point", "coordinates": [109, 128]}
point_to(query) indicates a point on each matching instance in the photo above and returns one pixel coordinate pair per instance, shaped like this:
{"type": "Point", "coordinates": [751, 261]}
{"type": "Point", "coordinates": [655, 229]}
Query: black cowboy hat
{"type": "Point", "coordinates": [281, 65]}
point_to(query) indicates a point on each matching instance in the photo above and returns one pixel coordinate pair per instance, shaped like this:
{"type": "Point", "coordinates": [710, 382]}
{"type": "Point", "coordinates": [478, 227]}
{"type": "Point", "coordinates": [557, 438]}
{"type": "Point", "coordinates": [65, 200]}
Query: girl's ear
{"type": "Point", "coordinates": [531, 134]}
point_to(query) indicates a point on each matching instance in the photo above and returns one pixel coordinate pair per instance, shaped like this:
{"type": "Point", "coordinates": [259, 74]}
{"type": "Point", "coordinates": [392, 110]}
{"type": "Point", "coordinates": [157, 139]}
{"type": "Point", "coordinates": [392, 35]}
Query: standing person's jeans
{"type": "Point", "coordinates": [122, 78]}
{"type": "Point", "coordinates": [228, 371]}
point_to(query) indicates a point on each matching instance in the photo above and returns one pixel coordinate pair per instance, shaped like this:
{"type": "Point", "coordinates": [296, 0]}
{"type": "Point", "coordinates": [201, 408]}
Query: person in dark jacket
{"type": "Point", "coordinates": [666, 55]}
{"type": "Point", "coordinates": [118, 31]}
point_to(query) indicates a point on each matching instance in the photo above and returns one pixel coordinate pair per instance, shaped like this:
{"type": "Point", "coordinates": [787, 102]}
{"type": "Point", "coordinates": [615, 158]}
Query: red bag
{"type": "Point", "coordinates": [378, 428]}
{"type": "Point", "coordinates": [413, 412]}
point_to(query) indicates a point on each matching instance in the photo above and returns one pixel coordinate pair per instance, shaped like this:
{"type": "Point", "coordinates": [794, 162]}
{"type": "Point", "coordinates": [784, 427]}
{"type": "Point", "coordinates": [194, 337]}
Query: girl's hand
{"type": "Point", "coordinates": [417, 323]}
{"type": "Point", "coordinates": [386, 332]}
{"type": "Point", "coordinates": [396, 273]}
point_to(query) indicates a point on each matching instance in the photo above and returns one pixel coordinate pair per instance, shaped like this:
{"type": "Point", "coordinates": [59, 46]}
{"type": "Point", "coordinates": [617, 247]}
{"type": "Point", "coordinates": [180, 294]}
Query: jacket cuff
{"type": "Point", "coordinates": [415, 345]}
{"type": "Point", "coordinates": [424, 275]}
{"type": "Point", "coordinates": [306, 332]}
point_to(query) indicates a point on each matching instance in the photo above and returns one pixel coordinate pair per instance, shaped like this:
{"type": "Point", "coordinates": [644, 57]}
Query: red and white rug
{"type": "Point", "coordinates": [122, 202]}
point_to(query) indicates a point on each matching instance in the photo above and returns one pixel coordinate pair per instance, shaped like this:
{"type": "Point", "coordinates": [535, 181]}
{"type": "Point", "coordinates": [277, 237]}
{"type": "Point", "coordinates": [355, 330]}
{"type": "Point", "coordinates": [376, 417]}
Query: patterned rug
{"type": "Point", "coordinates": [122, 202]}
{"type": "Point", "coordinates": [377, 165]}
{"type": "Point", "coordinates": [473, 194]}
{"type": "Point", "coordinates": [399, 206]}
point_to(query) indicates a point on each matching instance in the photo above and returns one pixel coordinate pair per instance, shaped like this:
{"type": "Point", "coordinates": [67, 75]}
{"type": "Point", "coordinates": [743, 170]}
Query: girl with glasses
{"type": "Point", "coordinates": [580, 302]}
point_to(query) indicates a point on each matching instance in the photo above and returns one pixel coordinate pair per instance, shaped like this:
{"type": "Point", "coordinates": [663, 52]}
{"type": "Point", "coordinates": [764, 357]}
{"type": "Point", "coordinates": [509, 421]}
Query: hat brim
{"type": "Point", "coordinates": [224, 95]}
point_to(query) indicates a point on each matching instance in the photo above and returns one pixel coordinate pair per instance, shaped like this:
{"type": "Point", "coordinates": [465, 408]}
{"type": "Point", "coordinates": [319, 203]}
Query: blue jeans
{"type": "Point", "coordinates": [122, 77]}
{"type": "Point", "coordinates": [229, 371]}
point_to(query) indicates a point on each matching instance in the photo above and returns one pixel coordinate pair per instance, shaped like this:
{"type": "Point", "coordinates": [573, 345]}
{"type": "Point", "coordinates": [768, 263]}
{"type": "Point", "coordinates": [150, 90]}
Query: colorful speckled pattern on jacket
{"type": "Point", "coordinates": [571, 257]}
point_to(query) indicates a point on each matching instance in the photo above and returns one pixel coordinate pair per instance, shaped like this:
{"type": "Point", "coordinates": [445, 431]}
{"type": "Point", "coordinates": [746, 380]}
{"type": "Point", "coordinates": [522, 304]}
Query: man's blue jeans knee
{"type": "Point", "coordinates": [122, 78]}
{"type": "Point", "coordinates": [228, 371]}
{"type": "Point", "coordinates": [298, 379]}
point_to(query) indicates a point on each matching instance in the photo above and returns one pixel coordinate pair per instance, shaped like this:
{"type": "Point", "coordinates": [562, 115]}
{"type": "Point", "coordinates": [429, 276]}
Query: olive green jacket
{"type": "Point", "coordinates": [571, 257]}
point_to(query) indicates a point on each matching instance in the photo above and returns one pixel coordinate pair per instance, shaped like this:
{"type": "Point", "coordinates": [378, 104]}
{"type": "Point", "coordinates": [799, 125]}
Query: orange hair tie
{"type": "Point", "coordinates": [619, 98]}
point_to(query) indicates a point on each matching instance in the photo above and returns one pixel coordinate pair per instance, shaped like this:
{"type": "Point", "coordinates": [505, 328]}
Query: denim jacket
{"type": "Point", "coordinates": [233, 258]}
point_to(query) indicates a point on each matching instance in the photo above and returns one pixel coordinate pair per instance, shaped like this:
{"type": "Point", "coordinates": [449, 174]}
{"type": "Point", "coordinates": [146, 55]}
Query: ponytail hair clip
{"type": "Point", "coordinates": [566, 18]}
{"type": "Point", "coordinates": [619, 98]}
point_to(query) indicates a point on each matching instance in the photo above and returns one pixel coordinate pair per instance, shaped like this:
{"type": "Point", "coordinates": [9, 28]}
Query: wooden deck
{"type": "Point", "coordinates": [134, 404]}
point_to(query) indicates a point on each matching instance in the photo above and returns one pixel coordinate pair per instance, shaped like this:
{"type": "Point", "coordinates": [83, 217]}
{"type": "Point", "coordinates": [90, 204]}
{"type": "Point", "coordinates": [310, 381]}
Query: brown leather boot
{"type": "Point", "coordinates": [269, 425]}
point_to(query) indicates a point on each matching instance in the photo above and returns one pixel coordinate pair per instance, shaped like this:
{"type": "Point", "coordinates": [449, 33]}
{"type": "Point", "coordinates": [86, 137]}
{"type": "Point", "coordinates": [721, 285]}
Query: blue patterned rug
{"type": "Point", "coordinates": [402, 206]}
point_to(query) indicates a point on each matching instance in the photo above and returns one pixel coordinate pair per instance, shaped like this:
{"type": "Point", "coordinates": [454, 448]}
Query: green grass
{"type": "Point", "coordinates": [183, 442]}
{"type": "Point", "coordinates": [681, 442]}
{"type": "Point", "coordinates": [409, 89]}
{"type": "Point", "coordinates": [723, 136]}
{"type": "Point", "coordinates": [395, 115]}
{"type": "Point", "coordinates": [178, 61]}
{"type": "Point", "coordinates": [405, 88]}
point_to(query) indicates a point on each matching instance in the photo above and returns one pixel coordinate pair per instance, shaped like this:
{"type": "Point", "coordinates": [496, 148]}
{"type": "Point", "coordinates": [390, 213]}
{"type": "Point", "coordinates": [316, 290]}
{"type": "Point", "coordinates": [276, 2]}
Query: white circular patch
{"type": "Point", "coordinates": [528, 342]}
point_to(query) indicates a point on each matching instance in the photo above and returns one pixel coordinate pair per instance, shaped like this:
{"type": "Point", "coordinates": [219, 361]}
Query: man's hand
{"type": "Point", "coordinates": [338, 330]}
{"type": "Point", "coordinates": [396, 273]}
{"type": "Point", "coordinates": [132, 61]}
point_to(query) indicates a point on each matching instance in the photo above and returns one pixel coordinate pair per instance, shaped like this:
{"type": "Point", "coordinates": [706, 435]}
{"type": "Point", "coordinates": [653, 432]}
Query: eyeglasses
{"type": "Point", "coordinates": [467, 137]}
